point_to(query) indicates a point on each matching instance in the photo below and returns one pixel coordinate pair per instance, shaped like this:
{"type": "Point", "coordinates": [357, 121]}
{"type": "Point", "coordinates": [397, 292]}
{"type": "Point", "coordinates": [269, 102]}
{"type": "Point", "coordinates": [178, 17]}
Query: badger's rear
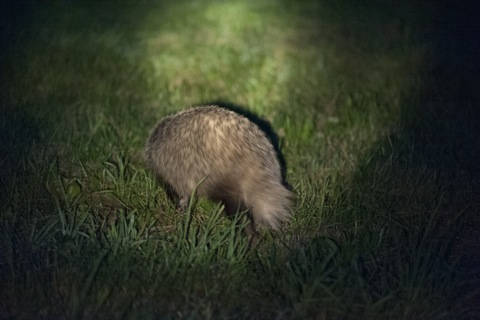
{"type": "Point", "coordinates": [233, 157]}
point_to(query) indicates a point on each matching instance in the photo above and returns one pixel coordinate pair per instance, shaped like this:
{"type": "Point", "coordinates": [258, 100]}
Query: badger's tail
{"type": "Point", "coordinates": [270, 206]}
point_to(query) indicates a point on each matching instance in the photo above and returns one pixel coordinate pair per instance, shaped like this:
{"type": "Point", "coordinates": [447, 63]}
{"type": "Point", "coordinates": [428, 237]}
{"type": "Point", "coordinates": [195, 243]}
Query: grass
{"type": "Point", "coordinates": [378, 131]}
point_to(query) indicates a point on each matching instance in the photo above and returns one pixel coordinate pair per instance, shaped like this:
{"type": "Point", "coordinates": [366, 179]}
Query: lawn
{"type": "Point", "coordinates": [375, 109]}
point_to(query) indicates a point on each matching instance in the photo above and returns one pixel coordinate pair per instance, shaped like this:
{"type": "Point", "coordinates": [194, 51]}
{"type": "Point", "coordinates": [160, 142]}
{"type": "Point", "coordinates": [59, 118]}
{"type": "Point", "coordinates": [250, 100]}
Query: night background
{"type": "Point", "coordinates": [375, 107]}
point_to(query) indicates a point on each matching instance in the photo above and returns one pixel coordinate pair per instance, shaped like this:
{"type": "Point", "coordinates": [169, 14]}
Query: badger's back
{"type": "Point", "coordinates": [234, 157]}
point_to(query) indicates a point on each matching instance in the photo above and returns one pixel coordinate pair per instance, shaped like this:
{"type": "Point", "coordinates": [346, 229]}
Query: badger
{"type": "Point", "coordinates": [223, 156]}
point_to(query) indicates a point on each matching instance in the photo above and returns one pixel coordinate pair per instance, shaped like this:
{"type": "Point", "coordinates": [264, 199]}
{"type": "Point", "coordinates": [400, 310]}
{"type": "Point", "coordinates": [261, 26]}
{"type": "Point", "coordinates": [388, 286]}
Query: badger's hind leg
{"type": "Point", "coordinates": [243, 216]}
{"type": "Point", "coordinates": [180, 202]}
{"type": "Point", "coordinates": [172, 195]}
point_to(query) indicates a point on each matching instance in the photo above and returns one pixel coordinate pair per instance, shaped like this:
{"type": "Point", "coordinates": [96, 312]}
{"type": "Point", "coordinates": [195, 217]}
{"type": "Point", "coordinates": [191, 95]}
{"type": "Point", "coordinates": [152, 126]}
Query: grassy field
{"type": "Point", "coordinates": [376, 113]}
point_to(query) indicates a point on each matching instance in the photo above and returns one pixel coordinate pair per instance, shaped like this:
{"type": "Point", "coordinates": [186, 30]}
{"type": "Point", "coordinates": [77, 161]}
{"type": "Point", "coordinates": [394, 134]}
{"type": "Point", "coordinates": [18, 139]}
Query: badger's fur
{"type": "Point", "coordinates": [233, 156]}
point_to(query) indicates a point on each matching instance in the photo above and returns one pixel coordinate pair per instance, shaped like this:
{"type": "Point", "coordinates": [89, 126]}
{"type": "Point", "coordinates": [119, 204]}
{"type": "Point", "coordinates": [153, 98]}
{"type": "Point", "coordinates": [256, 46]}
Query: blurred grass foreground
{"type": "Point", "coordinates": [375, 106]}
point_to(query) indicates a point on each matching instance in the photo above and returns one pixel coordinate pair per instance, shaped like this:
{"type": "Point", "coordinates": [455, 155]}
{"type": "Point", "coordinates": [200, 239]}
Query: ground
{"type": "Point", "coordinates": [375, 111]}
